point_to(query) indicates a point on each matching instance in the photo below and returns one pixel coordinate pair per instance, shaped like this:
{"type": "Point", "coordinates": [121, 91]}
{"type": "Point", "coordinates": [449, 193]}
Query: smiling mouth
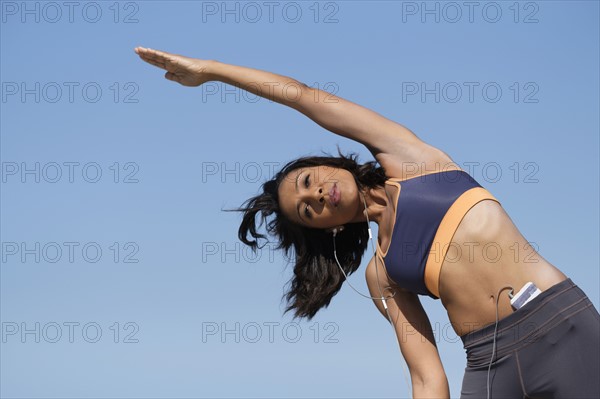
{"type": "Point", "coordinates": [334, 195]}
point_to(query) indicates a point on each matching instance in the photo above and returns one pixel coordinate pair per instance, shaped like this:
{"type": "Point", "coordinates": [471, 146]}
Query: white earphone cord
{"type": "Point", "coordinates": [495, 331]}
{"type": "Point", "coordinates": [382, 298]}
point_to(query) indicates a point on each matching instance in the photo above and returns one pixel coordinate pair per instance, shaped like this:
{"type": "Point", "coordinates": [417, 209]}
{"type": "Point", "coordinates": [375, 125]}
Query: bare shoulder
{"type": "Point", "coordinates": [400, 151]}
{"type": "Point", "coordinates": [420, 157]}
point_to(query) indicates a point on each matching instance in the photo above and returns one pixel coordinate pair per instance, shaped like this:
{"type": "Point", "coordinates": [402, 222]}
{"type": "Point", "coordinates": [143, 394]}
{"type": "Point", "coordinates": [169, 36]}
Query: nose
{"type": "Point", "coordinates": [315, 197]}
{"type": "Point", "coordinates": [320, 195]}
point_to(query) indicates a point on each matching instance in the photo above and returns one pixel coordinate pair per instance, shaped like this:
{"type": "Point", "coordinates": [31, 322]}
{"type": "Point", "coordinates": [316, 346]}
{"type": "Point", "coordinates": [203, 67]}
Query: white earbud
{"type": "Point", "coordinates": [337, 230]}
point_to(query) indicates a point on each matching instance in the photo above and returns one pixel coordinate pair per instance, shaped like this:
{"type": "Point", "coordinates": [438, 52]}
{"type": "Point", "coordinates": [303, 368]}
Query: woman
{"type": "Point", "coordinates": [440, 234]}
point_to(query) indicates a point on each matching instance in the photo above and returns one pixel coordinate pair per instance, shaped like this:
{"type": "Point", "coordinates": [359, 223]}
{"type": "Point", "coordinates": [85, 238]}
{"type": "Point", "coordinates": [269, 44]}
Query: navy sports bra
{"type": "Point", "coordinates": [429, 209]}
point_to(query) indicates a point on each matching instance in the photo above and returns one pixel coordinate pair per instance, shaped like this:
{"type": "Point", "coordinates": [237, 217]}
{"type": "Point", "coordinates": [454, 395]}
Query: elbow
{"type": "Point", "coordinates": [431, 386]}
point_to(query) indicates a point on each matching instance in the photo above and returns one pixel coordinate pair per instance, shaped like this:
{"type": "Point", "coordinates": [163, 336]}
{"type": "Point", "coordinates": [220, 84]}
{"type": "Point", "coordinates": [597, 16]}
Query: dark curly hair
{"type": "Point", "coordinates": [317, 277]}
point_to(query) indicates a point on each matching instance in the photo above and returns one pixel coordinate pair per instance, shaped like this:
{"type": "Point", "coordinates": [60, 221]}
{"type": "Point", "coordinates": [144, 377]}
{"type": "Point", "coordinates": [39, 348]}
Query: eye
{"type": "Point", "coordinates": [307, 212]}
{"type": "Point", "coordinates": [307, 184]}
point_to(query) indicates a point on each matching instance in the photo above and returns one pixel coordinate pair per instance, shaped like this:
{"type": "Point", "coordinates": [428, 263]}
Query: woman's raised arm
{"type": "Point", "coordinates": [396, 148]}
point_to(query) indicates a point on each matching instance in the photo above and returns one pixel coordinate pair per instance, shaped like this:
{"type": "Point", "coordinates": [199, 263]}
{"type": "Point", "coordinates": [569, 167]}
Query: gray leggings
{"type": "Point", "coordinates": [550, 348]}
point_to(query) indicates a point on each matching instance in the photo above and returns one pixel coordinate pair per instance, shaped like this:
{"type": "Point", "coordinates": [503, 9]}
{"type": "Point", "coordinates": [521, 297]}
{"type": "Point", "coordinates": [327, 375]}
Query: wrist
{"type": "Point", "coordinates": [213, 68]}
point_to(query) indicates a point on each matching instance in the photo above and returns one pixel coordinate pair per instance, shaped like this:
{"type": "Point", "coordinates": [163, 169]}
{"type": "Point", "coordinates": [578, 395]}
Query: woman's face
{"type": "Point", "coordinates": [320, 197]}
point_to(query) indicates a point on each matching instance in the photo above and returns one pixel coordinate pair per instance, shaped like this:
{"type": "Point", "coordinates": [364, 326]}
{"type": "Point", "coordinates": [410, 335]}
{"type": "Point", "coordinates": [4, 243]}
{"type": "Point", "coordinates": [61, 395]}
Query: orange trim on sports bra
{"type": "Point", "coordinates": [445, 232]}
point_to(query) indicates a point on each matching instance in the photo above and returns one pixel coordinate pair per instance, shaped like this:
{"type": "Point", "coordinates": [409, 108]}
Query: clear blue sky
{"type": "Point", "coordinates": [128, 173]}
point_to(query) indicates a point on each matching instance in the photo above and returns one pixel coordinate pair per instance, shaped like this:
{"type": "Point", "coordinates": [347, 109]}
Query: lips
{"type": "Point", "coordinates": [334, 195]}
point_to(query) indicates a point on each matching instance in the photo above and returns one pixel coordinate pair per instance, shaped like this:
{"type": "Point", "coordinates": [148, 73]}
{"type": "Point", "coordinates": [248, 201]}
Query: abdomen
{"type": "Point", "coordinates": [488, 252]}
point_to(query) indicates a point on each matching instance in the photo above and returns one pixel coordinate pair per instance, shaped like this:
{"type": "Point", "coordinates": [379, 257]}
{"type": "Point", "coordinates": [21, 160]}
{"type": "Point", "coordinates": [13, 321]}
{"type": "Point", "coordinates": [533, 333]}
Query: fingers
{"type": "Point", "coordinates": [154, 57]}
{"type": "Point", "coordinates": [155, 63]}
{"type": "Point", "coordinates": [156, 54]}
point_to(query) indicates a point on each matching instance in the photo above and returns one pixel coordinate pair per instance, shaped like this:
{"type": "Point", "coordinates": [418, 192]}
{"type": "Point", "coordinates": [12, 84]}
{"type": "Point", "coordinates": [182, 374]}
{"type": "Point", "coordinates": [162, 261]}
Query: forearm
{"type": "Point", "coordinates": [333, 113]}
{"type": "Point", "coordinates": [279, 88]}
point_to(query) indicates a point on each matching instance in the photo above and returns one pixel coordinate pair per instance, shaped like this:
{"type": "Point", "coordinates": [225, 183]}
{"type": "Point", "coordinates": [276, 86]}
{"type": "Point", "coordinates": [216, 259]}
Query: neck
{"type": "Point", "coordinates": [377, 201]}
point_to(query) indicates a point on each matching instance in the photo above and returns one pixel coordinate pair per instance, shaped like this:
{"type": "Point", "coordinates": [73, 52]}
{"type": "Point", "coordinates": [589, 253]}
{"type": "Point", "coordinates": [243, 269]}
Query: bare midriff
{"type": "Point", "coordinates": [487, 253]}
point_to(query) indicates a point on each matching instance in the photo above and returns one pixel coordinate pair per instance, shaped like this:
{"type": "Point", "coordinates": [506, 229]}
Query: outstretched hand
{"type": "Point", "coordinates": [183, 70]}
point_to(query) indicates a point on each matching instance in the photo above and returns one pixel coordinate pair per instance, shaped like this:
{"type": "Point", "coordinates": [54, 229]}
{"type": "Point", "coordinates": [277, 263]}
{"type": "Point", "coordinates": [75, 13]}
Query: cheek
{"type": "Point", "coordinates": [351, 199]}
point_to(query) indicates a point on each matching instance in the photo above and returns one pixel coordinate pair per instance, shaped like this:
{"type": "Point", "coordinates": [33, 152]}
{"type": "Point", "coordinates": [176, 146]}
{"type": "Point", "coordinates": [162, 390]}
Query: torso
{"type": "Point", "coordinates": [487, 252]}
{"type": "Point", "coordinates": [469, 285]}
